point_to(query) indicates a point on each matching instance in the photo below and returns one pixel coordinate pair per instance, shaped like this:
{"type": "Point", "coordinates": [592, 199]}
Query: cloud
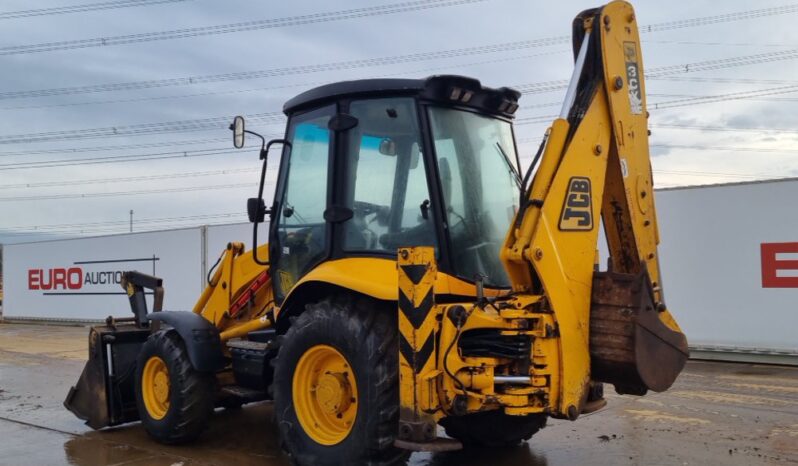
{"type": "Point", "coordinates": [659, 151]}
{"type": "Point", "coordinates": [489, 22]}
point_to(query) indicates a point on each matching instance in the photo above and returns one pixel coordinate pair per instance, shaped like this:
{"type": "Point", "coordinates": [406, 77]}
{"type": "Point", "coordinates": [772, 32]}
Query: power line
{"type": "Point", "coordinates": [755, 98]}
{"type": "Point", "coordinates": [121, 222]}
{"type": "Point", "coordinates": [156, 98]}
{"type": "Point", "coordinates": [724, 148]}
{"type": "Point", "coordinates": [105, 225]}
{"type": "Point", "coordinates": [138, 129]}
{"type": "Point", "coordinates": [380, 61]}
{"type": "Point", "coordinates": [723, 128]}
{"type": "Point", "coordinates": [119, 158]}
{"type": "Point", "coordinates": [118, 229]}
{"type": "Point", "coordinates": [682, 172]}
{"type": "Point", "coordinates": [665, 72]}
{"type": "Point", "coordinates": [82, 227]}
{"type": "Point", "coordinates": [167, 176]}
{"type": "Point", "coordinates": [269, 88]}
{"type": "Point", "coordinates": [350, 14]}
{"type": "Point", "coordinates": [721, 174]}
{"type": "Point", "coordinates": [289, 21]}
{"type": "Point", "coordinates": [722, 63]}
{"type": "Point", "coordinates": [534, 119]}
{"type": "Point", "coordinates": [694, 100]}
{"type": "Point", "coordinates": [220, 122]}
{"type": "Point", "coordinates": [689, 100]}
{"type": "Point", "coordinates": [137, 157]}
{"type": "Point", "coordinates": [722, 18]}
{"type": "Point", "coordinates": [715, 80]}
{"type": "Point", "coordinates": [551, 85]}
{"type": "Point", "coordinates": [287, 71]}
{"type": "Point", "coordinates": [114, 159]}
{"type": "Point", "coordinates": [723, 97]}
{"type": "Point", "coordinates": [62, 196]}
{"type": "Point", "coordinates": [76, 150]}
{"type": "Point", "coordinates": [720, 44]}
{"type": "Point", "coordinates": [82, 8]}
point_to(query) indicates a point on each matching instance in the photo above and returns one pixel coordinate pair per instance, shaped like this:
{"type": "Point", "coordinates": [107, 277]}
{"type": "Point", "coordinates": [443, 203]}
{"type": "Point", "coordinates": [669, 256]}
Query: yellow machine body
{"type": "Point", "coordinates": [598, 170]}
{"type": "Point", "coordinates": [541, 346]}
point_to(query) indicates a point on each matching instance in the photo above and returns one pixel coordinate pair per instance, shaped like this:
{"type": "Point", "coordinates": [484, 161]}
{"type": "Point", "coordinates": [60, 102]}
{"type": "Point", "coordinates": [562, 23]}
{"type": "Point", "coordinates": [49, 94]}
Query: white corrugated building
{"type": "Point", "coordinates": [729, 264]}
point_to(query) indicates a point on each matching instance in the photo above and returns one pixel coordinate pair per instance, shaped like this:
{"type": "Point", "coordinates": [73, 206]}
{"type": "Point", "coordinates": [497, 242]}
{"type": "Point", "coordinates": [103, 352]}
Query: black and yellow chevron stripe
{"type": "Point", "coordinates": [417, 272]}
{"type": "Point", "coordinates": [417, 326]}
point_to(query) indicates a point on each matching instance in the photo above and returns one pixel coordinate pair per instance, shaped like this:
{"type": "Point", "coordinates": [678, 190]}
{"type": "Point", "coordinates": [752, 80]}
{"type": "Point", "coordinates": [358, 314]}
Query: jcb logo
{"type": "Point", "coordinates": [577, 211]}
{"type": "Point", "coordinates": [633, 78]}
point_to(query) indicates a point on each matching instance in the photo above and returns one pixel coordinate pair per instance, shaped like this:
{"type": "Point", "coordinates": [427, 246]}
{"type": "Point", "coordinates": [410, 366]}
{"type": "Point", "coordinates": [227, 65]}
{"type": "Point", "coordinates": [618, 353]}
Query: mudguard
{"type": "Point", "coordinates": [201, 338]}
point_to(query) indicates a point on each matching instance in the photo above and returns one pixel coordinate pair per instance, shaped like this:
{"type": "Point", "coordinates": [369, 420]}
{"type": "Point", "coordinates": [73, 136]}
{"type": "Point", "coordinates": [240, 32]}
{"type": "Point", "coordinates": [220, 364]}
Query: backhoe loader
{"type": "Point", "coordinates": [413, 277]}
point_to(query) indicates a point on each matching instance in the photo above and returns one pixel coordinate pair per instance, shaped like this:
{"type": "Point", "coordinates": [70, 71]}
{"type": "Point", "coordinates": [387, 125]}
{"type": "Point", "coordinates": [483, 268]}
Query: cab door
{"type": "Point", "coordinates": [299, 236]}
{"type": "Point", "coordinates": [384, 183]}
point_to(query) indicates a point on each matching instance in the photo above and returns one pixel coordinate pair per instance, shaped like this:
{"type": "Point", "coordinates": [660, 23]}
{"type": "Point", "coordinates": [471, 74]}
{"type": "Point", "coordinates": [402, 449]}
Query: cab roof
{"type": "Point", "coordinates": [445, 89]}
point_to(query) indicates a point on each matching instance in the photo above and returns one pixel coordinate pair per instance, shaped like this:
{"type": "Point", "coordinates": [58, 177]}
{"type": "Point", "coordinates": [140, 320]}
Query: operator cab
{"type": "Point", "coordinates": [373, 165]}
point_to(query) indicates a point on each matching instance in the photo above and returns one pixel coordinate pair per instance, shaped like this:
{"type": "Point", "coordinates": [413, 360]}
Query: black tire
{"type": "Point", "coordinates": [365, 333]}
{"type": "Point", "coordinates": [493, 428]}
{"type": "Point", "coordinates": [191, 393]}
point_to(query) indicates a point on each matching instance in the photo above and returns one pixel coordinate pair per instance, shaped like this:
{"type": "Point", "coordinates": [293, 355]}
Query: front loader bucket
{"type": "Point", "coordinates": [104, 395]}
{"type": "Point", "coordinates": [630, 347]}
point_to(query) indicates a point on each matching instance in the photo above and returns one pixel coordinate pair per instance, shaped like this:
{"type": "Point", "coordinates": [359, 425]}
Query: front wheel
{"type": "Point", "coordinates": [174, 400]}
{"type": "Point", "coordinates": [336, 393]}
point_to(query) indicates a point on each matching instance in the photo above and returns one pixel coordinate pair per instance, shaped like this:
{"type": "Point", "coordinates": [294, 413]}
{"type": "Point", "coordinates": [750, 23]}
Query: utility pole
{"type": "Point", "coordinates": [131, 220]}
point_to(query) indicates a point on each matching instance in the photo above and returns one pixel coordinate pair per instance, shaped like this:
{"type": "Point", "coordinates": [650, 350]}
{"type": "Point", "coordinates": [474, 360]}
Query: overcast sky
{"type": "Point", "coordinates": [687, 142]}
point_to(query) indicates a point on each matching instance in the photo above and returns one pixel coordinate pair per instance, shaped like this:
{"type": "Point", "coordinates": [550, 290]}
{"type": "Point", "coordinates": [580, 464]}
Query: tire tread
{"type": "Point", "coordinates": [191, 406]}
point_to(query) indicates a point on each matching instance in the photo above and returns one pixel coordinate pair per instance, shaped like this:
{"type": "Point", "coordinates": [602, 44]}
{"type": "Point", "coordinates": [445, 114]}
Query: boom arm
{"type": "Point", "coordinates": [595, 165]}
{"type": "Point", "coordinates": [601, 136]}
{"type": "Point", "coordinates": [238, 298]}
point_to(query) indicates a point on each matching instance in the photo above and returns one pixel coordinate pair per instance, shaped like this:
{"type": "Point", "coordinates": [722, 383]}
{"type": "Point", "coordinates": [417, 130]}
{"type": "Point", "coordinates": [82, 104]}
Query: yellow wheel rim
{"type": "Point", "coordinates": [325, 394]}
{"type": "Point", "coordinates": [155, 387]}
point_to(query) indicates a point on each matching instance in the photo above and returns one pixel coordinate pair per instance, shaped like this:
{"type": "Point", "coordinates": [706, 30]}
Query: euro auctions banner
{"type": "Point", "coordinates": [80, 278]}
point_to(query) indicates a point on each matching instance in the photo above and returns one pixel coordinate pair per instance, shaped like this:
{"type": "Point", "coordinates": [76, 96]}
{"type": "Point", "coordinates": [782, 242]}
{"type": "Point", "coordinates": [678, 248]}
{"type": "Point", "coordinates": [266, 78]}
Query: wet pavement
{"type": "Point", "coordinates": [716, 413]}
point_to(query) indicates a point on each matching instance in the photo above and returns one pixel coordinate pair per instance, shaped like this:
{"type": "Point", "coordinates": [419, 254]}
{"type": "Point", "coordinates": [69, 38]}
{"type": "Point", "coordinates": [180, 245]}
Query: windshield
{"type": "Point", "coordinates": [476, 161]}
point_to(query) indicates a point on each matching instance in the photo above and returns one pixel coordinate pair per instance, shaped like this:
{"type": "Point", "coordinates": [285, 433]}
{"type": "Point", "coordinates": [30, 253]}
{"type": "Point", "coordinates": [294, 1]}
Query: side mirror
{"type": "Point", "coordinates": [256, 210]}
{"type": "Point", "coordinates": [238, 132]}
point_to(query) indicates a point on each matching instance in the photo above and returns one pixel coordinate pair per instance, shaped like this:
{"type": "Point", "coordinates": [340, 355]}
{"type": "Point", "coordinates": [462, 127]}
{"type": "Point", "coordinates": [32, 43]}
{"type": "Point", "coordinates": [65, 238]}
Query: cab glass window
{"type": "Point", "coordinates": [301, 228]}
{"type": "Point", "coordinates": [479, 179]}
{"type": "Point", "coordinates": [386, 185]}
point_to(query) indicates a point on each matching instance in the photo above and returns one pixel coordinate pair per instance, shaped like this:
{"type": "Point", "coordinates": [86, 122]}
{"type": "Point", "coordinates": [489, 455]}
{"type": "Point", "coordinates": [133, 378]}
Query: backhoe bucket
{"type": "Point", "coordinates": [104, 395]}
{"type": "Point", "coordinates": [630, 347]}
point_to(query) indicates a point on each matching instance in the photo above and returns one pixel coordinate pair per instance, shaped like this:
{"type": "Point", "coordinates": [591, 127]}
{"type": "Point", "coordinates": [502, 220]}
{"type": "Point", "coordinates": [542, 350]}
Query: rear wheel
{"type": "Point", "coordinates": [493, 428]}
{"type": "Point", "coordinates": [336, 384]}
{"type": "Point", "coordinates": [174, 401]}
